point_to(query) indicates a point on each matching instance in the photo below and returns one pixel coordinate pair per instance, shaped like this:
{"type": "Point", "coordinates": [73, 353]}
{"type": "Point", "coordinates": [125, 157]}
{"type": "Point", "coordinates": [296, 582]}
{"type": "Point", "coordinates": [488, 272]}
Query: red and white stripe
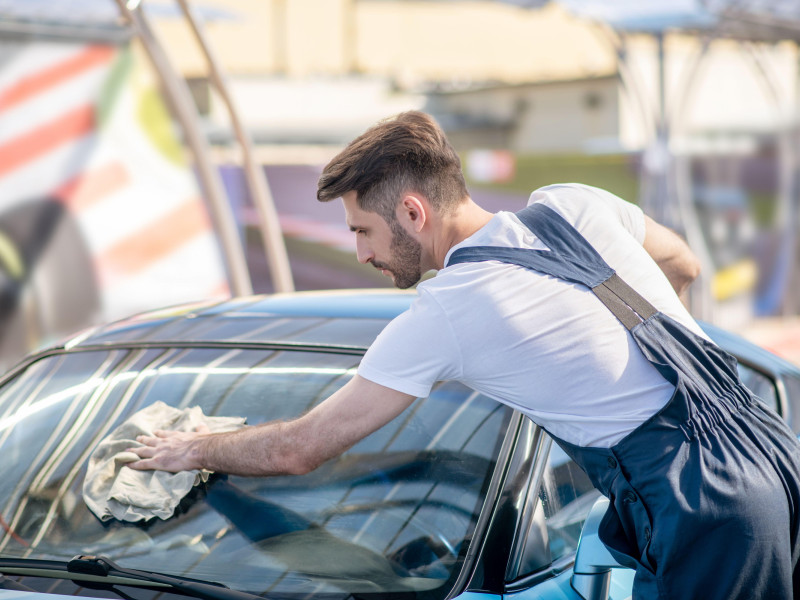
{"type": "Point", "coordinates": [142, 216]}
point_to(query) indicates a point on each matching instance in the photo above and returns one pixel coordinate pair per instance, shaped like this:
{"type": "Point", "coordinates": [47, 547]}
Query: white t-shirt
{"type": "Point", "coordinates": [544, 346]}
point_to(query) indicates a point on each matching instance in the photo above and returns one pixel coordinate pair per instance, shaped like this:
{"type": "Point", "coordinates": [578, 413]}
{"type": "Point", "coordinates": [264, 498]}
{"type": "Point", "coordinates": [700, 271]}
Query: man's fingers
{"type": "Point", "coordinates": [164, 451]}
{"type": "Point", "coordinates": [142, 451]}
{"type": "Point", "coordinates": [141, 465]}
{"type": "Point", "coordinates": [158, 434]}
{"type": "Point", "coordinates": [151, 464]}
{"type": "Point", "coordinates": [165, 433]}
{"type": "Point", "coordinates": [202, 428]}
{"type": "Point", "coordinates": [149, 460]}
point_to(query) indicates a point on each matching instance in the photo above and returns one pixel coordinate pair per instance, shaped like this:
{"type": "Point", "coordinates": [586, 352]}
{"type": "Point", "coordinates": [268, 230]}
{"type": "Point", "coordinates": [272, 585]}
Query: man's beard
{"type": "Point", "coordinates": [406, 255]}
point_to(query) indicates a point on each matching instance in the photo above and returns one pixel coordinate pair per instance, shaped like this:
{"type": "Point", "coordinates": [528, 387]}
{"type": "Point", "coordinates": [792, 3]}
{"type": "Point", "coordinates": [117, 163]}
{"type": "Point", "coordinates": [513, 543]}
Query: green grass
{"type": "Point", "coordinates": [613, 172]}
{"type": "Point", "coordinates": [763, 207]}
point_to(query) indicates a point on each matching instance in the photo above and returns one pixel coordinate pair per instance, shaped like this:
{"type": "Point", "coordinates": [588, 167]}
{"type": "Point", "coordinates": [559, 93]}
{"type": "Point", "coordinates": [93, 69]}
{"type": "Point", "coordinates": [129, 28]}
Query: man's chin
{"type": "Point", "coordinates": [404, 284]}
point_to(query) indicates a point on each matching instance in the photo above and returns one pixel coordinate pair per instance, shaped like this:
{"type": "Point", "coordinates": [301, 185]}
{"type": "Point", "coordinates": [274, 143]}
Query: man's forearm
{"type": "Point", "coordinates": [276, 448]}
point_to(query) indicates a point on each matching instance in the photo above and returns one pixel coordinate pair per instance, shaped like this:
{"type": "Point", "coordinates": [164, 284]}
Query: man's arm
{"type": "Point", "coordinates": [672, 255]}
{"type": "Point", "coordinates": [279, 448]}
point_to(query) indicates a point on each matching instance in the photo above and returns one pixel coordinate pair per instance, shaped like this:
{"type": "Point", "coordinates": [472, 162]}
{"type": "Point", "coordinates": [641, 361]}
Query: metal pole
{"type": "Point", "coordinates": [269, 226]}
{"type": "Point", "coordinates": [178, 94]}
{"type": "Point", "coordinates": [663, 175]}
{"type": "Point", "coordinates": [630, 84]}
{"type": "Point", "coordinates": [662, 86]}
{"type": "Point", "coordinates": [780, 294]}
{"type": "Point", "coordinates": [663, 209]}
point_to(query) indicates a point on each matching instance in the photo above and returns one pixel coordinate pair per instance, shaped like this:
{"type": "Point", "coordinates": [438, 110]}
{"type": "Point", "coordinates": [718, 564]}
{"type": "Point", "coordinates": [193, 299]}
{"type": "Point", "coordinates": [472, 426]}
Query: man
{"type": "Point", "coordinates": [567, 311]}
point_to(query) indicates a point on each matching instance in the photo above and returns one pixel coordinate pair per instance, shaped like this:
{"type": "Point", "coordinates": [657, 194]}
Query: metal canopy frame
{"type": "Point", "coordinates": [269, 225]}
{"type": "Point", "coordinates": [178, 93]}
{"type": "Point", "coordinates": [665, 177]}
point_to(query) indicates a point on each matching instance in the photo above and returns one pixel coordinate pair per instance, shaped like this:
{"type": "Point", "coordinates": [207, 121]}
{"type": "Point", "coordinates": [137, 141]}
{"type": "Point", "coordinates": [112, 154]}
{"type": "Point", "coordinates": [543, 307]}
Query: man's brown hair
{"type": "Point", "coordinates": [409, 153]}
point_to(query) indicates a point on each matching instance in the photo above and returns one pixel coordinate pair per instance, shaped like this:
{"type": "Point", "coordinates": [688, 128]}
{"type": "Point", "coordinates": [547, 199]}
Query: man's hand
{"type": "Point", "coordinates": [171, 451]}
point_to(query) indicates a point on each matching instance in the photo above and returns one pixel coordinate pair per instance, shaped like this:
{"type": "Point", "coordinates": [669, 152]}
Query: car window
{"type": "Point", "coordinates": [760, 384]}
{"type": "Point", "coordinates": [566, 496]}
{"type": "Point", "coordinates": [792, 386]}
{"type": "Point", "coordinates": [393, 514]}
{"type": "Point", "coordinates": [554, 517]}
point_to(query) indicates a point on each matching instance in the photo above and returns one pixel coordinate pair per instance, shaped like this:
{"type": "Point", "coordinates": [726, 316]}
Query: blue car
{"type": "Point", "coordinates": [458, 497]}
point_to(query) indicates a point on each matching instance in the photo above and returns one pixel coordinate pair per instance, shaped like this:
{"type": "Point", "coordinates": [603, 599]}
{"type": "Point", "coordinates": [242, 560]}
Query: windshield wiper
{"type": "Point", "coordinates": [103, 570]}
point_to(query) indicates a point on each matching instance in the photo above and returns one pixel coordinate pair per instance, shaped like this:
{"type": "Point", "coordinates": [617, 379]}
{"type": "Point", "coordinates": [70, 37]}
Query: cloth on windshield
{"type": "Point", "coordinates": [704, 496]}
{"type": "Point", "coordinates": [112, 491]}
{"type": "Point", "coordinates": [496, 327]}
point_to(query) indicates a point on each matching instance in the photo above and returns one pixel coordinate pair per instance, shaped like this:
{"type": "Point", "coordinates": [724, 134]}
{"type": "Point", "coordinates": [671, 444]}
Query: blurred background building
{"type": "Point", "coordinates": [116, 198]}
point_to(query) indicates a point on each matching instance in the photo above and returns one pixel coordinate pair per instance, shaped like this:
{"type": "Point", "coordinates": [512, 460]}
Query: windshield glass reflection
{"type": "Point", "coordinates": [393, 514]}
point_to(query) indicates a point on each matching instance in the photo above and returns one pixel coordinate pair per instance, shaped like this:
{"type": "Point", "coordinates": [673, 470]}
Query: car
{"type": "Point", "coordinates": [458, 497]}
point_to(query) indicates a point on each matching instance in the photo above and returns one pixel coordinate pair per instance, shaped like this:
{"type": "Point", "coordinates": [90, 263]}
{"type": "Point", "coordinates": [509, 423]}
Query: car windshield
{"type": "Point", "coordinates": [393, 514]}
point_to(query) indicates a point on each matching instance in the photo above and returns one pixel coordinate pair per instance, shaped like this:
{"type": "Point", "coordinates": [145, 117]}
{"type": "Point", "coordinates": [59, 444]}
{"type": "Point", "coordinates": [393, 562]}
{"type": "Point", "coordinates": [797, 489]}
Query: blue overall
{"type": "Point", "coordinates": [704, 495]}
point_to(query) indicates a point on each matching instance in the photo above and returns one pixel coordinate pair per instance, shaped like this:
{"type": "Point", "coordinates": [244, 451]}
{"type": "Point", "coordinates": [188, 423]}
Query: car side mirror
{"type": "Point", "coordinates": [591, 577]}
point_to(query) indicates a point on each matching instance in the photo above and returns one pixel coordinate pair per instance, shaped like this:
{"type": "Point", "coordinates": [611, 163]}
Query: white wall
{"type": "Point", "coordinates": [570, 117]}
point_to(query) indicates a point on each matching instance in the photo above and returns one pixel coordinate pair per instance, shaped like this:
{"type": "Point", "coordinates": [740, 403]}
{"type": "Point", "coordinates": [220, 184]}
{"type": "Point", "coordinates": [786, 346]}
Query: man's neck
{"type": "Point", "coordinates": [455, 228]}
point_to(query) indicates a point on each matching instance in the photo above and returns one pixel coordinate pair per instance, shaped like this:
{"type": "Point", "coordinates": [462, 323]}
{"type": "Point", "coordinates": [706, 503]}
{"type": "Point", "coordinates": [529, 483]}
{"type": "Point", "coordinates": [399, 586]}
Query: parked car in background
{"type": "Point", "coordinates": [458, 496]}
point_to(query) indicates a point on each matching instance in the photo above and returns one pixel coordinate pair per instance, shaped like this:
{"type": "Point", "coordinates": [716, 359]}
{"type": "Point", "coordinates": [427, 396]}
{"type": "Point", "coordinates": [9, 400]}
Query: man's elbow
{"type": "Point", "coordinates": [695, 269]}
{"type": "Point", "coordinates": [299, 462]}
{"type": "Point", "coordinates": [683, 276]}
{"type": "Point", "coordinates": [304, 458]}
{"type": "Point", "coordinates": [672, 254]}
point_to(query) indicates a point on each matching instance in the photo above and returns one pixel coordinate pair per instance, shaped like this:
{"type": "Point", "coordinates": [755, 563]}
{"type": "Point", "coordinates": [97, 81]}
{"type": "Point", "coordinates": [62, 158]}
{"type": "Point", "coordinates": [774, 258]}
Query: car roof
{"type": "Point", "coordinates": [348, 318]}
{"type": "Point", "coordinates": [337, 319]}
{"type": "Point", "coordinates": [750, 353]}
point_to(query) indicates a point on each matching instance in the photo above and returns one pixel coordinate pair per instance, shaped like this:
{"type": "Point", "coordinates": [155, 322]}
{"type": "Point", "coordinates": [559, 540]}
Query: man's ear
{"type": "Point", "coordinates": [413, 211]}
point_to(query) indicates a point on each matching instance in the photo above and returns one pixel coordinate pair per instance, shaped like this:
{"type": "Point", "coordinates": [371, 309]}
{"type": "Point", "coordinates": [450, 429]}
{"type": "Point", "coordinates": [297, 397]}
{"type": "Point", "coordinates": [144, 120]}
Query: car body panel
{"type": "Point", "coordinates": [558, 587]}
{"type": "Point", "coordinates": [23, 595]}
{"type": "Point", "coordinates": [313, 318]}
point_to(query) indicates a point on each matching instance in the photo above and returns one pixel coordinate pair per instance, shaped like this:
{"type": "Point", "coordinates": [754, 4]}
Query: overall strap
{"type": "Point", "coordinates": [570, 258]}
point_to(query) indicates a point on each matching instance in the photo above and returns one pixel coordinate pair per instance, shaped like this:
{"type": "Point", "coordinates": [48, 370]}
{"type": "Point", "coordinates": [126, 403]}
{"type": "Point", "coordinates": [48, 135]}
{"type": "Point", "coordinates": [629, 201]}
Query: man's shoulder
{"type": "Point", "coordinates": [573, 195]}
{"type": "Point", "coordinates": [567, 186]}
{"type": "Point", "coordinates": [591, 208]}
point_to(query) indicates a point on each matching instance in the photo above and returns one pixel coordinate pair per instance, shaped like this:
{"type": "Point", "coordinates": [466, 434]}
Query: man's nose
{"type": "Point", "coordinates": [363, 253]}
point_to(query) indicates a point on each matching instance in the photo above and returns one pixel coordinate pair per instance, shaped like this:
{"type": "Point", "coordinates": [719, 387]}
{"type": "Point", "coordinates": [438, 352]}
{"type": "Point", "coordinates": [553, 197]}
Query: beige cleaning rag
{"type": "Point", "coordinates": [111, 490]}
